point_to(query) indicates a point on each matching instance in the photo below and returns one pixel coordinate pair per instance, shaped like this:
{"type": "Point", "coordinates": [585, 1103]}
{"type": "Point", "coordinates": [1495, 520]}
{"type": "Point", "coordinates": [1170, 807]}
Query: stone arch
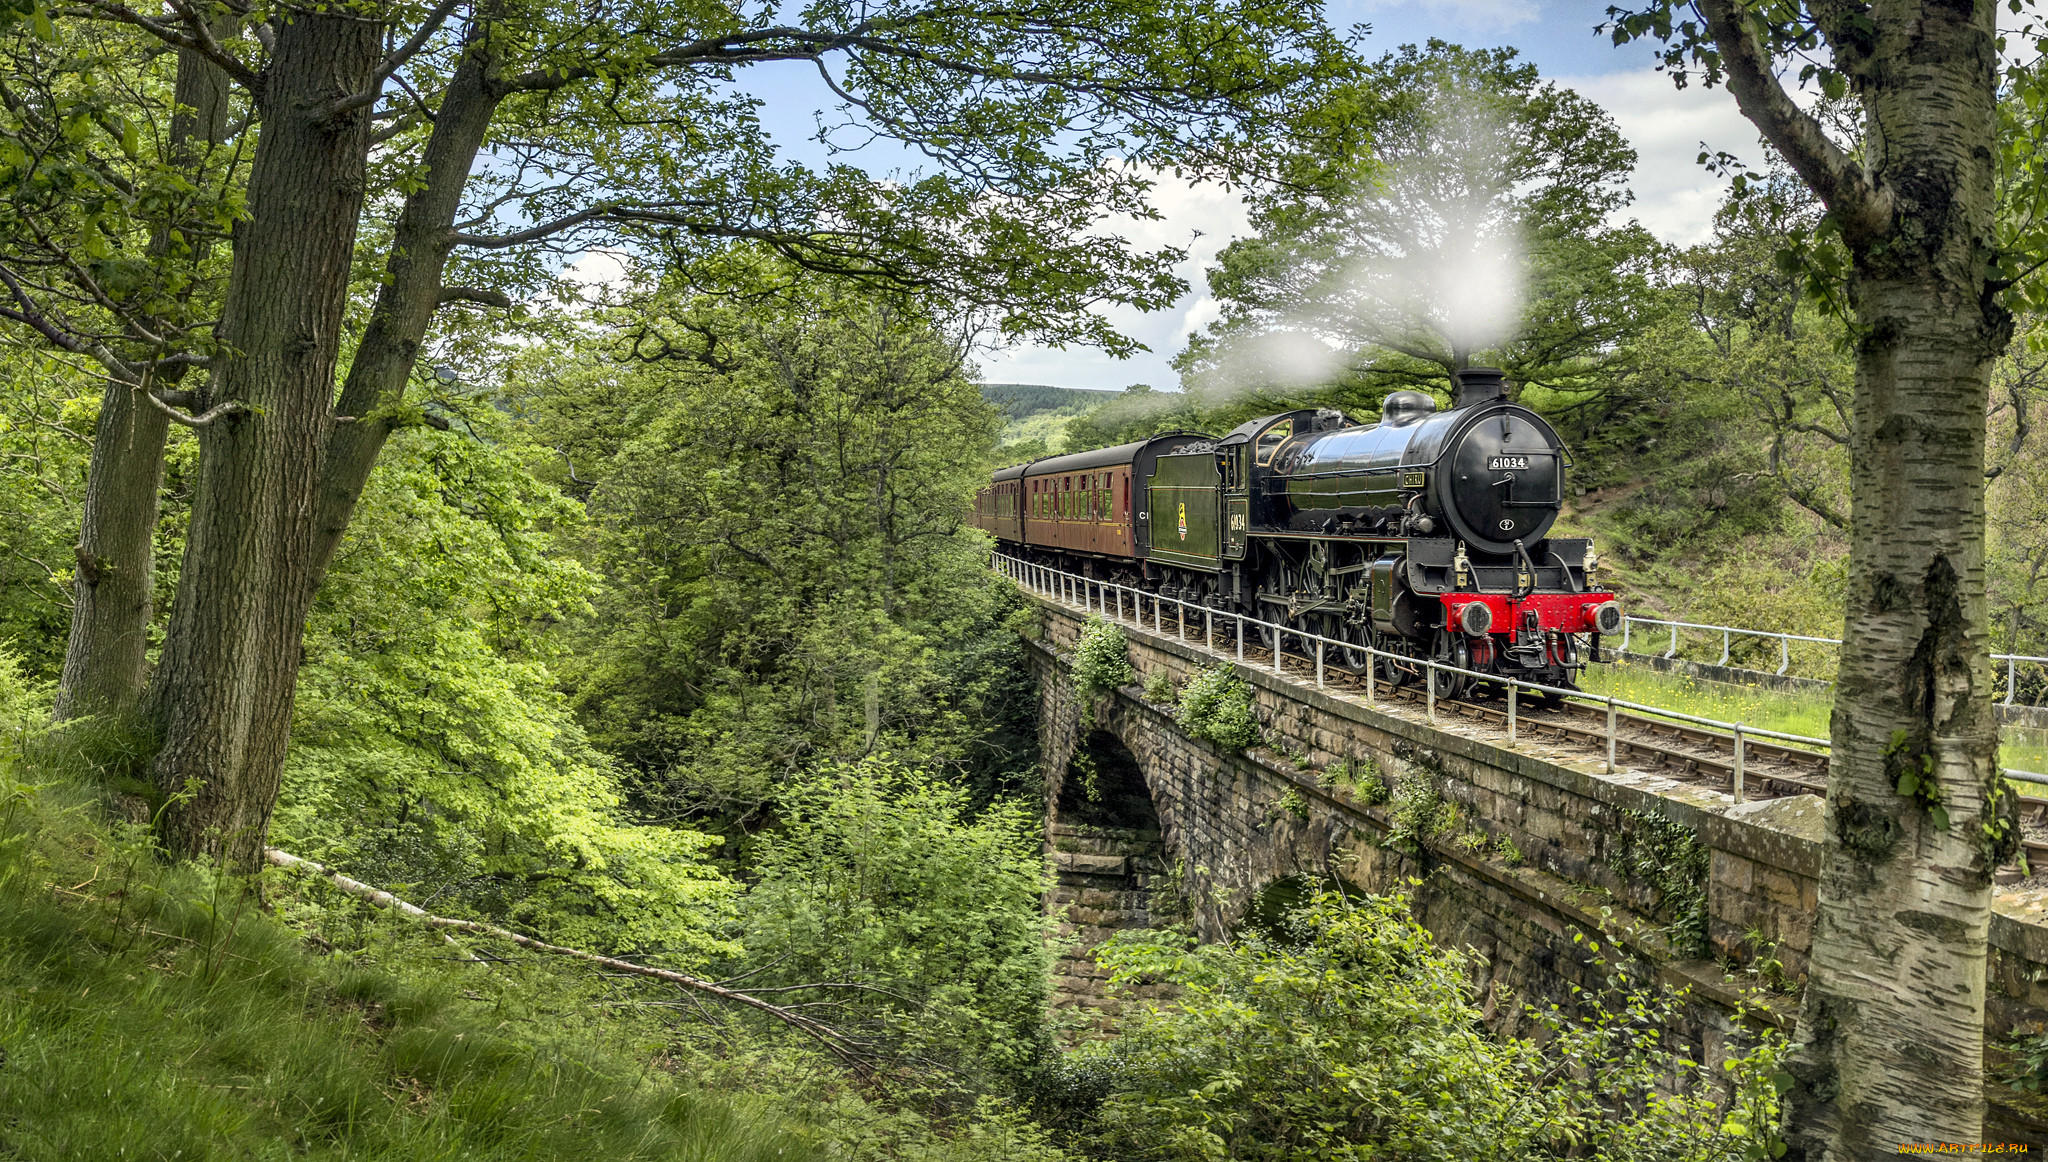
{"type": "Point", "coordinates": [1267, 908]}
{"type": "Point", "coordinates": [1109, 860]}
{"type": "Point", "coordinates": [1104, 786]}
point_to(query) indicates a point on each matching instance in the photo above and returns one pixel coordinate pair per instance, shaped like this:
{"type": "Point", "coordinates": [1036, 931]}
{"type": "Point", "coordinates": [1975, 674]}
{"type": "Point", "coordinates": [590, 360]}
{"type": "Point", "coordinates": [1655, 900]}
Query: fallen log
{"type": "Point", "coordinates": [378, 897]}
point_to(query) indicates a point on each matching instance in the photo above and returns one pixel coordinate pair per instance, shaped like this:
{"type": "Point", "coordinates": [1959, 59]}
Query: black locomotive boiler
{"type": "Point", "coordinates": [1424, 534]}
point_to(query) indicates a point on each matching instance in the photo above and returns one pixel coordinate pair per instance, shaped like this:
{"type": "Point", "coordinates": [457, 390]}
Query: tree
{"type": "Point", "coordinates": [431, 751]}
{"type": "Point", "coordinates": [94, 169]}
{"type": "Point", "coordinates": [599, 124]}
{"type": "Point", "coordinates": [777, 491]}
{"type": "Point", "coordinates": [1477, 226]}
{"type": "Point", "coordinates": [1892, 1022]}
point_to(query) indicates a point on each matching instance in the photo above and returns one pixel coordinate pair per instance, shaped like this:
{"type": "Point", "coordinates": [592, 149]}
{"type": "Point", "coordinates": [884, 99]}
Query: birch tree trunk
{"type": "Point", "coordinates": [222, 694]}
{"type": "Point", "coordinates": [114, 588]}
{"type": "Point", "coordinates": [1891, 1030]}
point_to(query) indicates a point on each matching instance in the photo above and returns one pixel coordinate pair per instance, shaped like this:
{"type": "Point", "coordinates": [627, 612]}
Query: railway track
{"type": "Point", "coordinates": [1674, 749]}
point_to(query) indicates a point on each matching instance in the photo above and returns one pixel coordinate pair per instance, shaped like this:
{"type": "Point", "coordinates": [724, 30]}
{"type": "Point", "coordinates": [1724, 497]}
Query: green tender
{"type": "Point", "coordinates": [1184, 503]}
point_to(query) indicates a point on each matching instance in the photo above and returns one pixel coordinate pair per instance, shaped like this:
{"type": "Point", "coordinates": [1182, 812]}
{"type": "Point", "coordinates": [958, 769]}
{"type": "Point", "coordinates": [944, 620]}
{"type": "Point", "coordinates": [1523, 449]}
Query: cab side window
{"type": "Point", "coordinates": [1271, 439]}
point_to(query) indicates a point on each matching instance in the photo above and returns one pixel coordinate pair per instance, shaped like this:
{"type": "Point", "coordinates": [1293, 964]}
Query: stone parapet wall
{"type": "Point", "coordinates": [1545, 844]}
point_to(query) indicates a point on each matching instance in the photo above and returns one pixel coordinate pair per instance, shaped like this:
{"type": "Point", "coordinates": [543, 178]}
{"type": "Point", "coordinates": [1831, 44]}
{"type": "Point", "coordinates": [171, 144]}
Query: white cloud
{"type": "Point", "coordinates": [1201, 218]}
{"type": "Point", "coordinates": [597, 268]}
{"type": "Point", "coordinates": [1675, 197]}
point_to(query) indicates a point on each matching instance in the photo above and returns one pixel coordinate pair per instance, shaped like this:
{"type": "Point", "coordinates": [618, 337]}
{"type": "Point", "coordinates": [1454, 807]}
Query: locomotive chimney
{"type": "Point", "coordinates": [1479, 385]}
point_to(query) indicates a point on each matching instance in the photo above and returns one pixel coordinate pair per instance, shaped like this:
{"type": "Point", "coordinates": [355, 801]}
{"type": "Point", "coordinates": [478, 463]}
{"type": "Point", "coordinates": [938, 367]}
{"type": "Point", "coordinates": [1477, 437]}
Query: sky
{"type": "Point", "coordinates": [1674, 197]}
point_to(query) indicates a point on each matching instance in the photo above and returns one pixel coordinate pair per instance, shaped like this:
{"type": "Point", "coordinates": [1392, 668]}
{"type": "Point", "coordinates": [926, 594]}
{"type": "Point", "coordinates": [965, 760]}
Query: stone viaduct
{"type": "Point", "coordinates": [1531, 845]}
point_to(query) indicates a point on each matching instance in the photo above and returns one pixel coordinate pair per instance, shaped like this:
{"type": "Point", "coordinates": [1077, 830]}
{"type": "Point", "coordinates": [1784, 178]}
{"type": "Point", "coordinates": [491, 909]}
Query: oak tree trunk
{"type": "Point", "coordinates": [410, 294]}
{"type": "Point", "coordinates": [114, 588]}
{"type": "Point", "coordinates": [222, 693]}
{"type": "Point", "coordinates": [1892, 1024]}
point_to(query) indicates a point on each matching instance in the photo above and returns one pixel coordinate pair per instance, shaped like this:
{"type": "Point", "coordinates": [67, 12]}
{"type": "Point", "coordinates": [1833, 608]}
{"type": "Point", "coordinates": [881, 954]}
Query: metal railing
{"type": "Point", "coordinates": [1108, 599]}
{"type": "Point", "coordinates": [1730, 632]}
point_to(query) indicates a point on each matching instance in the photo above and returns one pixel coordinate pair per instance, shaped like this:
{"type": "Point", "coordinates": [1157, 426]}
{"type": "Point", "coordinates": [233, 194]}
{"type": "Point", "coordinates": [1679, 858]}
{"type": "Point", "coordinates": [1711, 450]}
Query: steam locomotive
{"type": "Point", "coordinates": [1422, 535]}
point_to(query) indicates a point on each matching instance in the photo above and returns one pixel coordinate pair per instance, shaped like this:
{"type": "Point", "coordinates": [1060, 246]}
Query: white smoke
{"type": "Point", "coordinates": [1281, 360]}
{"type": "Point", "coordinates": [1427, 263]}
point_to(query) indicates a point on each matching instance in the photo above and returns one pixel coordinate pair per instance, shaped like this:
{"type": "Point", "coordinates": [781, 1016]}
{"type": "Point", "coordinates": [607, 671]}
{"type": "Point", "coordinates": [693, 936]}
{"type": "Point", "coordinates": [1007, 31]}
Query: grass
{"type": "Point", "coordinates": [155, 1012]}
{"type": "Point", "coordinates": [1788, 712]}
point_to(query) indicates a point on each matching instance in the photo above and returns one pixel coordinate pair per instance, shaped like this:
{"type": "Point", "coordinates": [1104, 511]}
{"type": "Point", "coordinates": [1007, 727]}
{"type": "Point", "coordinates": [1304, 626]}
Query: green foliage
{"type": "Point", "coordinates": [2026, 1066]}
{"type": "Point", "coordinates": [1293, 803]}
{"type": "Point", "coordinates": [431, 751]}
{"type": "Point", "coordinates": [1668, 858]}
{"type": "Point", "coordinates": [1363, 775]}
{"type": "Point", "coordinates": [158, 1011]}
{"type": "Point", "coordinates": [1352, 1034]}
{"type": "Point", "coordinates": [24, 704]}
{"type": "Point", "coordinates": [1504, 846]}
{"type": "Point", "coordinates": [880, 880]}
{"type": "Point", "coordinates": [1909, 761]}
{"type": "Point", "coordinates": [1765, 966]}
{"type": "Point", "coordinates": [1159, 688]}
{"type": "Point", "coordinates": [1216, 705]}
{"type": "Point", "coordinates": [47, 412]}
{"type": "Point", "coordinates": [776, 512]}
{"type": "Point", "coordinates": [1420, 815]}
{"type": "Point", "coordinates": [1102, 660]}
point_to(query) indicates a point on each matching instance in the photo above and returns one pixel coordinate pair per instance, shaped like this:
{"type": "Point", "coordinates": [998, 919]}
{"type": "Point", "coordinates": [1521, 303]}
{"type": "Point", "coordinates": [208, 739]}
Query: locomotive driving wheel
{"type": "Point", "coordinates": [1393, 672]}
{"type": "Point", "coordinates": [1449, 649]}
{"type": "Point", "coordinates": [1278, 582]}
{"type": "Point", "coordinates": [1350, 657]}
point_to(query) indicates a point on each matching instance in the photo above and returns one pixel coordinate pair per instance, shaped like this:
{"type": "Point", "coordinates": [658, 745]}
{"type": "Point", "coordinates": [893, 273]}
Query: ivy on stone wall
{"type": "Point", "coordinates": [1669, 858]}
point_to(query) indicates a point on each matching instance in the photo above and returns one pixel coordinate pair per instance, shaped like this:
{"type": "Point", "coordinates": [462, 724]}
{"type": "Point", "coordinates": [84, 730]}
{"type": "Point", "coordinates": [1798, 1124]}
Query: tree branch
{"type": "Point", "coordinates": [231, 407]}
{"type": "Point", "coordinates": [26, 311]}
{"type": "Point", "coordinates": [1797, 136]}
{"type": "Point", "coordinates": [536, 233]}
{"type": "Point", "coordinates": [368, 94]}
{"type": "Point", "coordinates": [818, 1030]}
{"type": "Point", "coordinates": [474, 294]}
{"type": "Point", "coordinates": [203, 44]}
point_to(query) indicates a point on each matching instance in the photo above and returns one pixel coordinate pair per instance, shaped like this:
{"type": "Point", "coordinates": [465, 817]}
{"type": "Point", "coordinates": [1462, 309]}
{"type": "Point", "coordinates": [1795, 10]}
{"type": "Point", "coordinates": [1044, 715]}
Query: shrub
{"type": "Point", "coordinates": [1352, 1034]}
{"type": "Point", "coordinates": [1217, 705]}
{"type": "Point", "coordinates": [1367, 782]}
{"type": "Point", "coordinates": [1420, 814]}
{"type": "Point", "coordinates": [880, 876]}
{"type": "Point", "coordinates": [1159, 687]}
{"type": "Point", "coordinates": [1668, 858]}
{"type": "Point", "coordinates": [1292, 803]}
{"type": "Point", "coordinates": [1102, 660]}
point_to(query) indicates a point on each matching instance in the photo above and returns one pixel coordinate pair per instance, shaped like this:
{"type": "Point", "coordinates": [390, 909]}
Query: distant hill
{"type": "Point", "coordinates": [1019, 400]}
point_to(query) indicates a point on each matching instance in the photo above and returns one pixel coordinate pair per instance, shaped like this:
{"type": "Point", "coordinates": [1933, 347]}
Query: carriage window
{"type": "Point", "coordinates": [1272, 439]}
